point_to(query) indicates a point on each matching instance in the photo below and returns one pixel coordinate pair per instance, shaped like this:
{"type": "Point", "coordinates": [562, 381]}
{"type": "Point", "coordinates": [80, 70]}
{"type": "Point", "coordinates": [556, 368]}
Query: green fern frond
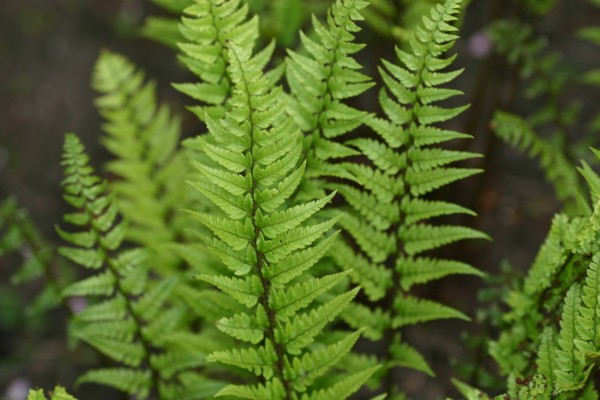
{"type": "Point", "coordinates": [136, 315]}
{"type": "Point", "coordinates": [559, 170]}
{"type": "Point", "coordinates": [143, 136]}
{"type": "Point", "coordinates": [321, 80]}
{"type": "Point", "coordinates": [388, 218]}
{"type": "Point", "coordinates": [545, 80]}
{"type": "Point", "coordinates": [266, 243]}
{"type": "Point", "coordinates": [209, 27]}
{"type": "Point", "coordinates": [568, 358]}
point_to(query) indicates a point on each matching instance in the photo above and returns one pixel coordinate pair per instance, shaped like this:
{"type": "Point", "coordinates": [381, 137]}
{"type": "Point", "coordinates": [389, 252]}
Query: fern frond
{"type": "Point", "coordinates": [388, 219]}
{"type": "Point", "coordinates": [544, 79]}
{"type": "Point", "coordinates": [132, 321]}
{"type": "Point", "coordinates": [269, 245]}
{"type": "Point", "coordinates": [588, 333]}
{"type": "Point", "coordinates": [143, 136]}
{"type": "Point", "coordinates": [559, 170]}
{"type": "Point", "coordinates": [322, 79]}
{"type": "Point", "coordinates": [209, 26]}
{"type": "Point", "coordinates": [568, 358]}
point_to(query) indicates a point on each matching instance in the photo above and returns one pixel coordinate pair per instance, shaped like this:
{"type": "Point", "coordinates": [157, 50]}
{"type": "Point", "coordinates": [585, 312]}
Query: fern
{"type": "Point", "coordinates": [276, 174]}
{"type": "Point", "coordinates": [321, 80]}
{"type": "Point", "coordinates": [558, 168]}
{"type": "Point", "coordinates": [545, 80]}
{"type": "Point", "coordinates": [143, 136]}
{"type": "Point", "coordinates": [266, 244]}
{"type": "Point", "coordinates": [387, 214]}
{"type": "Point", "coordinates": [563, 276]}
{"type": "Point", "coordinates": [39, 260]}
{"type": "Point", "coordinates": [134, 320]}
{"type": "Point", "coordinates": [209, 26]}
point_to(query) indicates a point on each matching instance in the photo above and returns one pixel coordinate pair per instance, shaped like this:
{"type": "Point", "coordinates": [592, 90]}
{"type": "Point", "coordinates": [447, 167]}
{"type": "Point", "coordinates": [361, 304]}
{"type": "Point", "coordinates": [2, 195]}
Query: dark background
{"type": "Point", "coordinates": [47, 52]}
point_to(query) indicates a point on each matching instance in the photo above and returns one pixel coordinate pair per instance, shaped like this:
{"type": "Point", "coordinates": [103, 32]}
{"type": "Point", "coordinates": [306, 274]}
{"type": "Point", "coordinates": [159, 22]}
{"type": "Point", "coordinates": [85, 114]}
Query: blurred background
{"type": "Point", "coordinates": [47, 52]}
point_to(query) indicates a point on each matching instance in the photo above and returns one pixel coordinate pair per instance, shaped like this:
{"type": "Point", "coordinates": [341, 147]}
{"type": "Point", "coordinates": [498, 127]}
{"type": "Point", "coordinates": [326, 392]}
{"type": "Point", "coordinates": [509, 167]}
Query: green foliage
{"type": "Point", "coordinates": [268, 247]}
{"type": "Point", "coordinates": [547, 80]}
{"type": "Point", "coordinates": [59, 393]}
{"type": "Point", "coordinates": [20, 238]}
{"type": "Point", "coordinates": [387, 215]}
{"type": "Point", "coordinates": [144, 138]}
{"type": "Point", "coordinates": [558, 168]}
{"type": "Point", "coordinates": [552, 316]}
{"type": "Point", "coordinates": [313, 216]}
{"type": "Point", "coordinates": [131, 319]}
{"type": "Point", "coordinates": [320, 81]}
{"type": "Point", "coordinates": [209, 27]}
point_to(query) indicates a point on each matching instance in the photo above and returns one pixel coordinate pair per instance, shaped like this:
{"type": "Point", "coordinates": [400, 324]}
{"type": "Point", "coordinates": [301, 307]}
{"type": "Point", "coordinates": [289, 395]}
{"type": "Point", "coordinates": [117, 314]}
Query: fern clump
{"type": "Point", "coordinates": [551, 329]}
{"type": "Point", "coordinates": [268, 246]}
